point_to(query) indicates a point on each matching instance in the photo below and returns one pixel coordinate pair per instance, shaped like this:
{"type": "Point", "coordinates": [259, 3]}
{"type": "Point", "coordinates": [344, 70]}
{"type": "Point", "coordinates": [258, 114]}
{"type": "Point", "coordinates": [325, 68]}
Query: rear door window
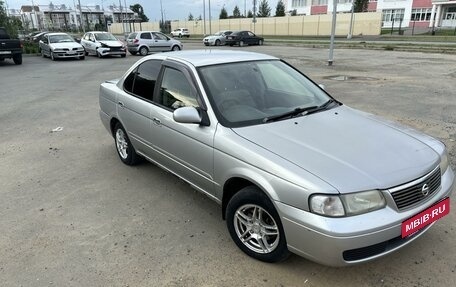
{"type": "Point", "coordinates": [141, 81]}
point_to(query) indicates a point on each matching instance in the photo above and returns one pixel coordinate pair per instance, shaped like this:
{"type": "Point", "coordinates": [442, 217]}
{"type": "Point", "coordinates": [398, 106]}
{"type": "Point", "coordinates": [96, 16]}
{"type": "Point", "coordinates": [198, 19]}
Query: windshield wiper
{"type": "Point", "coordinates": [289, 114]}
{"type": "Point", "coordinates": [300, 111]}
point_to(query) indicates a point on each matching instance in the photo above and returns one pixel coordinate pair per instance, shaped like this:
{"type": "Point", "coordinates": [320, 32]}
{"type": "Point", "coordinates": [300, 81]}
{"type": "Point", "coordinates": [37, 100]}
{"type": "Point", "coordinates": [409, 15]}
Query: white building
{"type": "Point", "coordinates": [405, 13]}
{"type": "Point", "coordinates": [55, 17]}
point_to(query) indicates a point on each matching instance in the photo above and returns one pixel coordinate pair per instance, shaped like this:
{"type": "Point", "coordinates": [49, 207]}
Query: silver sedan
{"type": "Point", "coordinates": [293, 169]}
{"type": "Point", "coordinates": [217, 39]}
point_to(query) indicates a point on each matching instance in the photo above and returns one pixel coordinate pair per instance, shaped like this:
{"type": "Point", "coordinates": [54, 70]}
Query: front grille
{"type": "Point", "coordinates": [114, 49]}
{"type": "Point", "coordinates": [411, 195]}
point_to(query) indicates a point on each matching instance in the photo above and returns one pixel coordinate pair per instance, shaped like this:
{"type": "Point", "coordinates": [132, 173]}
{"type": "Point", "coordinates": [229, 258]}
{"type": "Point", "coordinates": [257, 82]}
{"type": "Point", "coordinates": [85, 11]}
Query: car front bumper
{"type": "Point", "coordinates": [105, 51]}
{"type": "Point", "coordinates": [355, 239]}
{"type": "Point", "coordinates": [68, 54]}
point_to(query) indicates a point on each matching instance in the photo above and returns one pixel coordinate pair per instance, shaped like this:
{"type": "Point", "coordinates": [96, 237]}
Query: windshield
{"type": "Point", "coordinates": [249, 93]}
{"type": "Point", "coordinates": [60, 39]}
{"type": "Point", "coordinates": [105, 37]}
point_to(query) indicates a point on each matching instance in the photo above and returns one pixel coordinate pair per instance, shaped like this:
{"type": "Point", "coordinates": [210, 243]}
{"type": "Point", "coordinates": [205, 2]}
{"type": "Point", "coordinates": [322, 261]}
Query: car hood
{"type": "Point", "coordinates": [212, 37]}
{"type": "Point", "coordinates": [65, 45]}
{"type": "Point", "coordinates": [114, 44]}
{"type": "Point", "coordinates": [347, 149]}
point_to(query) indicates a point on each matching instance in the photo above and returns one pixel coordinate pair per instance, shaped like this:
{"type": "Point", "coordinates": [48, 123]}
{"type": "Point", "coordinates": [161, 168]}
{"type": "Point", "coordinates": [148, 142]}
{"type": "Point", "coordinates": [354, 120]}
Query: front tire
{"type": "Point", "coordinates": [125, 149]}
{"type": "Point", "coordinates": [52, 56]}
{"type": "Point", "coordinates": [175, 48]}
{"type": "Point", "coordinates": [255, 225]}
{"type": "Point", "coordinates": [217, 42]}
{"type": "Point", "coordinates": [241, 43]}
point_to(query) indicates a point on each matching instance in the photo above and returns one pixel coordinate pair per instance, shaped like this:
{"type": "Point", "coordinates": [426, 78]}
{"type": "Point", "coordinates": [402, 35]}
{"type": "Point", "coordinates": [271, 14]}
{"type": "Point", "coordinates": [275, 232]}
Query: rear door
{"type": "Point", "coordinates": [135, 104]}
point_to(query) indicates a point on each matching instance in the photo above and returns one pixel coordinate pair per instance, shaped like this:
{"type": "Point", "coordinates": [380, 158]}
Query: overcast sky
{"type": "Point", "coordinates": [173, 9]}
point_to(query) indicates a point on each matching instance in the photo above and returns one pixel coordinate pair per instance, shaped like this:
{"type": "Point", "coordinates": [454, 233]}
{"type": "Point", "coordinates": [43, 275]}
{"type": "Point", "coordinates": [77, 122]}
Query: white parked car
{"type": "Point", "coordinates": [217, 39]}
{"type": "Point", "coordinates": [180, 32]}
{"type": "Point", "coordinates": [60, 45]}
{"type": "Point", "coordinates": [102, 44]}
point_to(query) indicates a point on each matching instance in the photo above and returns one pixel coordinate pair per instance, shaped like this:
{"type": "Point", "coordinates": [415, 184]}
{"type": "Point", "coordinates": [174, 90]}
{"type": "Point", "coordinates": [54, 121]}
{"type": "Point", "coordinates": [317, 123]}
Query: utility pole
{"type": "Point", "coordinates": [204, 17]}
{"type": "Point", "coordinates": [333, 31]}
{"type": "Point", "coordinates": [245, 9]}
{"type": "Point", "coordinates": [80, 17]}
{"type": "Point", "coordinates": [163, 20]}
{"type": "Point", "coordinates": [254, 15]}
{"type": "Point", "coordinates": [210, 19]}
{"type": "Point", "coordinates": [350, 31]}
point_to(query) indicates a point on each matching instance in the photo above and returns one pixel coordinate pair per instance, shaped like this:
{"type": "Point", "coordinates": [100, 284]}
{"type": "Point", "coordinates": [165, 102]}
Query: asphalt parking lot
{"type": "Point", "coordinates": [71, 214]}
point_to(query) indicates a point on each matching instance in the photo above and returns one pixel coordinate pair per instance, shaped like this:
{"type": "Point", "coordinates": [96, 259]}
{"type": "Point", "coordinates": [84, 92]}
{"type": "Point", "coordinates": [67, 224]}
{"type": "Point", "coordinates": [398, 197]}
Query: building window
{"type": "Point", "coordinates": [298, 3]}
{"type": "Point", "coordinates": [393, 15]}
{"type": "Point", "coordinates": [423, 14]}
{"type": "Point", "coordinates": [319, 2]}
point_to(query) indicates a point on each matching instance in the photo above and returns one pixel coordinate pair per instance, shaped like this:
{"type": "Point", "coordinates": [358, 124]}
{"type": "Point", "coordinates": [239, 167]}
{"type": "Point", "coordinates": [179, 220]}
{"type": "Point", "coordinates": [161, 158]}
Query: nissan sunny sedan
{"type": "Point", "coordinates": [293, 169]}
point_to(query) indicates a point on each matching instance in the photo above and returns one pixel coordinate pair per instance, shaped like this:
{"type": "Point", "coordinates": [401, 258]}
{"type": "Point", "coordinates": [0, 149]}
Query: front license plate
{"type": "Point", "coordinates": [5, 52]}
{"type": "Point", "coordinates": [426, 217]}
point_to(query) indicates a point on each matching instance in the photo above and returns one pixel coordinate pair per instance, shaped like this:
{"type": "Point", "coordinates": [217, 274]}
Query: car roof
{"type": "Point", "coordinates": [199, 58]}
{"type": "Point", "coordinates": [55, 34]}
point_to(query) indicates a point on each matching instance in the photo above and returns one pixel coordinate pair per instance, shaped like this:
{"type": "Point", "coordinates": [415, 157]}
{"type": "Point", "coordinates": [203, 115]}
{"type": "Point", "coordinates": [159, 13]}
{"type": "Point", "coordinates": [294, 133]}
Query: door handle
{"type": "Point", "coordinates": [156, 121]}
{"type": "Point", "coordinates": [121, 104]}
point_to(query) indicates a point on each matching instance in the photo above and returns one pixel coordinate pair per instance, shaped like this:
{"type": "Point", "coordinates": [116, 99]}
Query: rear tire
{"type": "Point", "coordinates": [143, 51]}
{"type": "Point", "coordinates": [260, 42]}
{"type": "Point", "coordinates": [125, 149]}
{"type": "Point", "coordinates": [17, 59]}
{"type": "Point", "coordinates": [241, 43]}
{"type": "Point", "coordinates": [255, 225]}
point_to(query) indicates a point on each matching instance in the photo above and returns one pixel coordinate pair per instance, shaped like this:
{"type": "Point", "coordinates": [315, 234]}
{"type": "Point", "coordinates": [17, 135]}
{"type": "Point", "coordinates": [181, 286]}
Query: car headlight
{"type": "Point", "coordinates": [347, 204]}
{"type": "Point", "coordinates": [328, 205]}
{"type": "Point", "coordinates": [104, 45]}
{"type": "Point", "coordinates": [443, 162]}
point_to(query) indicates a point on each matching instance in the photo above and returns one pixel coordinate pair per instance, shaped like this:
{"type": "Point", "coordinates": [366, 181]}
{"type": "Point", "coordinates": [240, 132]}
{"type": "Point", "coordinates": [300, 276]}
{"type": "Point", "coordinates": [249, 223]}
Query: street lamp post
{"type": "Point", "coordinates": [349, 36]}
{"type": "Point", "coordinates": [210, 19]}
{"type": "Point", "coordinates": [333, 31]}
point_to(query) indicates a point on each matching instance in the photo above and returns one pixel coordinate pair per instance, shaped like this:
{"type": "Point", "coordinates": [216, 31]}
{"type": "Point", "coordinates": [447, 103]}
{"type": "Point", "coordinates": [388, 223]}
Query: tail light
{"type": "Point", "coordinates": [135, 41]}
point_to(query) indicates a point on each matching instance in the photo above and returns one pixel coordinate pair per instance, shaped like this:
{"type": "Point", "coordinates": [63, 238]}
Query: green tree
{"type": "Point", "coordinates": [138, 9]}
{"type": "Point", "coordinates": [190, 17]}
{"type": "Point", "coordinates": [264, 10]}
{"type": "Point", "coordinates": [360, 5]}
{"type": "Point", "coordinates": [11, 24]}
{"type": "Point", "coordinates": [280, 9]}
{"type": "Point", "coordinates": [249, 14]}
{"type": "Point", "coordinates": [236, 12]}
{"type": "Point", "coordinates": [223, 14]}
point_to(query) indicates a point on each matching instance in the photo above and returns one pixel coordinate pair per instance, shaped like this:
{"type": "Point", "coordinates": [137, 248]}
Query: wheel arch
{"type": "Point", "coordinates": [112, 124]}
{"type": "Point", "coordinates": [237, 183]}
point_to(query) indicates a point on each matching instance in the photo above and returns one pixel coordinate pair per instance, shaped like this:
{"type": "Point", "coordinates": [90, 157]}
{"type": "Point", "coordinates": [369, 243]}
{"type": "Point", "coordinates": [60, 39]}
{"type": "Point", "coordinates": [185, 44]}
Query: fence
{"type": "Point", "coordinates": [311, 25]}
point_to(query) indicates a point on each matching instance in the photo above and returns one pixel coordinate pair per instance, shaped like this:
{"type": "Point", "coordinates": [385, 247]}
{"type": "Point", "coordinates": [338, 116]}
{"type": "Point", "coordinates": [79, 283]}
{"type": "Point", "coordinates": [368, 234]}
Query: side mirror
{"type": "Point", "coordinates": [187, 115]}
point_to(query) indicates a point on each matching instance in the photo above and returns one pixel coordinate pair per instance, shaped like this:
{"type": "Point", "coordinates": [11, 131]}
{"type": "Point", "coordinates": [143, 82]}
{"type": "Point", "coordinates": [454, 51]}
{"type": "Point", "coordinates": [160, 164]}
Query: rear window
{"type": "Point", "coordinates": [132, 35]}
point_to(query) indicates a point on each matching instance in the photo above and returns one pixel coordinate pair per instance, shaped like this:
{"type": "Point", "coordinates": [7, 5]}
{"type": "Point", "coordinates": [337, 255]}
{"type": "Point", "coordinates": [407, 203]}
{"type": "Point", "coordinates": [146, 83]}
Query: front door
{"type": "Point", "coordinates": [161, 42]}
{"type": "Point", "coordinates": [186, 149]}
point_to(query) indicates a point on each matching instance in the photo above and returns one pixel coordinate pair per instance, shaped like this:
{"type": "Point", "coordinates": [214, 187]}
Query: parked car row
{"type": "Point", "coordinates": [231, 38]}
{"type": "Point", "coordinates": [101, 44]}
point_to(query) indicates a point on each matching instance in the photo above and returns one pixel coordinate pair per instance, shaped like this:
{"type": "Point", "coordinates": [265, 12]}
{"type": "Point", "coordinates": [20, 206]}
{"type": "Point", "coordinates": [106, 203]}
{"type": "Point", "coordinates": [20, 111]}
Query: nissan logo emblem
{"type": "Point", "coordinates": [425, 189]}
